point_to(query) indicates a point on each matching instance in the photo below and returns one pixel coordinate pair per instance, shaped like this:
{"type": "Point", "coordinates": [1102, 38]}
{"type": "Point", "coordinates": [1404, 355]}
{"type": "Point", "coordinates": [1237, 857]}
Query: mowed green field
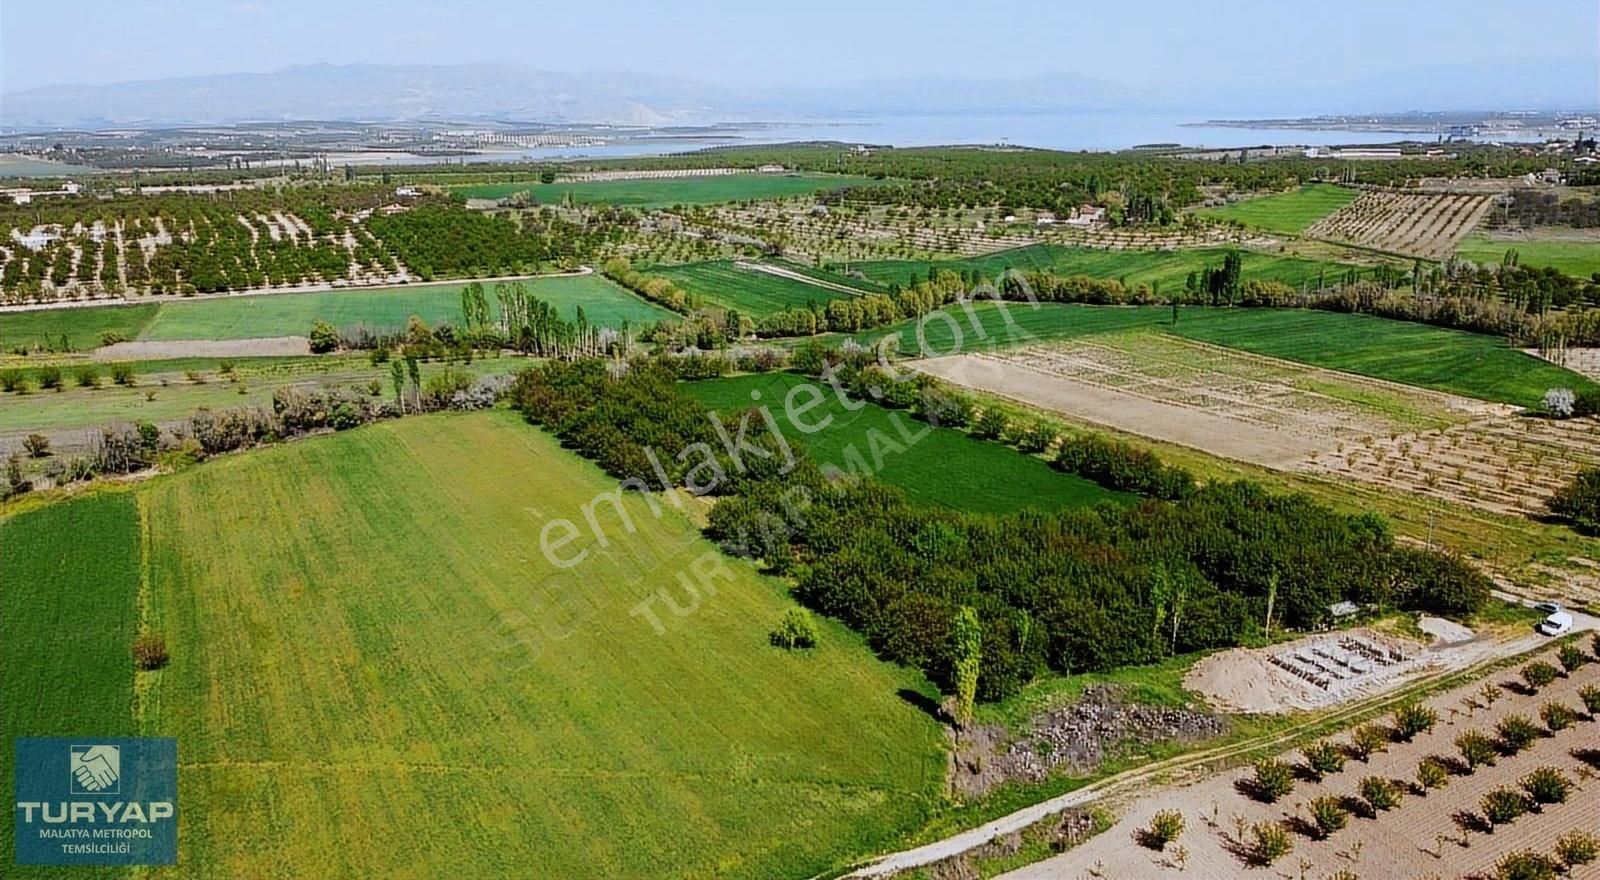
{"type": "Point", "coordinates": [1170, 269]}
{"type": "Point", "coordinates": [376, 672]}
{"type": "Point", "coordinates": [663, 192]}
{"type": "Point", "coordinates": [1453, 361]}
{"type": "Point", "coordinates": [936, 466]}
{"type": "Point", "coordinates": [1577, 258]}
{"type": "Point", "coordinates": [69, 582]}
{"type": "Point", "coordinates": [292, 314]}
{"type": "Point", "coordinates": [758, 294]}
{"type": "Point", "coordinates": [1289, 213]}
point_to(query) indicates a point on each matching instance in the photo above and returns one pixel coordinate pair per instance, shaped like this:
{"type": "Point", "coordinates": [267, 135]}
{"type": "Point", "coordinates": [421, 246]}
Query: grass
{"type": "Point", "coordinates": [373, 638]}
{"type": "Point", "coordinates": [1169, 269]}
{"type": "Point", "coordinates": [1453, 361]}
{"type": "Point", "coordinates": [292, 314]}
{"type": "Point", "coordinates": [664, 192]}
{"type": "Point", "coordinates": [1289, 213]}
{"type": "Point", "coordinates": [941, 467]}
{"type": "Point", "coordinates": [1577, 258]}
{"type": "Point", "coordinates": [69, 581]}
{"type": "Point", "coordinates": [758, 294]}
{"type": "Point", "coordinates": [81, 326]}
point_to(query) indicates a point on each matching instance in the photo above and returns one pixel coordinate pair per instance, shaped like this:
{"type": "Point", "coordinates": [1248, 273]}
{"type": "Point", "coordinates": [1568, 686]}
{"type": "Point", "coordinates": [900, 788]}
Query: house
{"type": "Point", "coordinates": [1087, 215]}
{"type": "Point", "coordinates": [770, 169]}
{"type": "Point", "coordinates": [406, 192]}
{"type": "Point", "coordinates": [1045, 218]}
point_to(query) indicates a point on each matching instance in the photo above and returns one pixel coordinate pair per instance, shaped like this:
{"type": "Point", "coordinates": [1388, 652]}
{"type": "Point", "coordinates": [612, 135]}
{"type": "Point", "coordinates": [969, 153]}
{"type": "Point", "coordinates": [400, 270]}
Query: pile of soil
{"type": "Point", "coordinates": [1074, 738]}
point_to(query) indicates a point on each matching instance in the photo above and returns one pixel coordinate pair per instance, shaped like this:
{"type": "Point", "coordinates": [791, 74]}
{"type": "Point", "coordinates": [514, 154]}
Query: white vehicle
{"type": "Point", "coordinates": [1556, 624]}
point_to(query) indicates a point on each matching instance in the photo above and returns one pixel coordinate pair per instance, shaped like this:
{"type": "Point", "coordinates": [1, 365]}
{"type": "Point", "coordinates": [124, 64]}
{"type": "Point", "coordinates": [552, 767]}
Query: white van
{"type": "Point", "coordinates": [1559, 623]}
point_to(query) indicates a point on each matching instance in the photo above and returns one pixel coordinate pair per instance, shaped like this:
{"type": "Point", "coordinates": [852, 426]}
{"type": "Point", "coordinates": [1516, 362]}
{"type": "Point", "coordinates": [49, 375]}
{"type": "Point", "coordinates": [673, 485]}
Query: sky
{"type": "Point", "coordinates": [1146, 44]}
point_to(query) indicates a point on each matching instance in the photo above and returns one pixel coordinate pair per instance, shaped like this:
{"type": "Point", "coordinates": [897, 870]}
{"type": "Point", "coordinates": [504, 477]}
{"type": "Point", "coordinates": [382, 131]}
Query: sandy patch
{"type": "Point", "coordinates": [1447, 631]}
{"type": "Point", "coordinates": [271, 346]}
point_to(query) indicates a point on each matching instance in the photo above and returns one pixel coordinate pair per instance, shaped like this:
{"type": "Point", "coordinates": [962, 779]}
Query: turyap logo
{"type": "Point", "coordinates": [109, 801]}
{"type": "Point", "coordinates": [96, 769]}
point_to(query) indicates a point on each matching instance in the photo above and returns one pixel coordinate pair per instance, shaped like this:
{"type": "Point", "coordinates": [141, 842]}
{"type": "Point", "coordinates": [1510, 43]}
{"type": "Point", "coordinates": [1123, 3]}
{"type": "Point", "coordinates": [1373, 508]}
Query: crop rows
{"type": "Point", "coordinates": [1416, 224]}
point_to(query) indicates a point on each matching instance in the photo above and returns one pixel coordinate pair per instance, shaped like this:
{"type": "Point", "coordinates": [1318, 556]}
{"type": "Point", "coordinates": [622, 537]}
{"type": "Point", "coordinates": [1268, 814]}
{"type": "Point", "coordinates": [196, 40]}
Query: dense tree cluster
{"type": "Point", "coordinates": [441, 241]}
{"type": "Point", "coordinates": [1578, 502]}
{"type": "Point", "coordinates": [1074, 591]}
{"type": "Point", "coordinates": [1527, 209]}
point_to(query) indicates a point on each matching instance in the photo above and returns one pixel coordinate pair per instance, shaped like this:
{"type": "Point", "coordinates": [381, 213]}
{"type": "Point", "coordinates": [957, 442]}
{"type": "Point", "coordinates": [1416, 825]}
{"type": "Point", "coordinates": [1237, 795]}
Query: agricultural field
{"type": "Point", "coordinates": [1414, 224]}
{"type": "Point", "coordinates": [1237, 406]}
{"type": "Point", "coordinates": [1169, 269]}
{"type": "Point", "coordinates": [752, 289]}
{"type": "Point", "coordinates": [1289, 213]}
{"type": "Point", "coordinates": [360, 603]}
{"type": "Point", "coordinates": [664, 192]}
{"type": "Point", "coordinates": [292, 314]}
{"type": "Point", "coordinates": [1444, 830]}
{"type": "Point", "coordinates": [1578, 257]}
{"type": "Point", "coordinates": [1449, 361]}
{"type": "Point", "coordinates": [936, 466]}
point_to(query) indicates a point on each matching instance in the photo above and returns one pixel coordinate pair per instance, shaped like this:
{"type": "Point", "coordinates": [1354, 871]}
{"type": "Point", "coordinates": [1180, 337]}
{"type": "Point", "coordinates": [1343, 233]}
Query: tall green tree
{"type": "Point", "coordinates": [967, 638]}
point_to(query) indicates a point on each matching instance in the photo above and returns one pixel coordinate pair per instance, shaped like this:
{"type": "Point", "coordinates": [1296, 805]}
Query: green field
{"type": "Point", "coordinates": [69, 580]}
{"type": "Point", "coordinates": [1170, 269]}
{"type": "Point", "coordinates": [758, 294]}
{"type": "Point", "coordinates": [1453, 361]}
{"type": "Point", "coordinates": [1289, 213]}
{"type": "Point", "coordinates": [375, 671]}
{"type": "Point", "coordinates": [941, 467]}
{"type": "Point", "coordinates": [664, 192]}
{"type": "Point", "coordinates": [292, 314]}
{"type": "Point", "coordinates": [1577, 258]}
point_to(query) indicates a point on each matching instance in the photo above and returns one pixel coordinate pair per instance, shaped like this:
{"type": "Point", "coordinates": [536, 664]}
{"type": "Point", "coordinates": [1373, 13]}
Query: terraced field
{"type": "Point", "coordinates": [1414, 224]}
{"type": "Point", "coordinates": [730, 285]}
{"type": "Point", "coordinates": [1288, 213]}
{"type": "Point", "coordinates": [663, 192]}
{"type": "Point", "coordinates": [363, 631]}
{"type": "Point", "coordinates": [935, 466]}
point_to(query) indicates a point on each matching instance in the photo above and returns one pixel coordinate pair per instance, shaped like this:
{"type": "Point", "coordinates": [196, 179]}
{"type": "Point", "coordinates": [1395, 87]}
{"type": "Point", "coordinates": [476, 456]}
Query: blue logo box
{"type": "Point", "coordinates": [96, 800]}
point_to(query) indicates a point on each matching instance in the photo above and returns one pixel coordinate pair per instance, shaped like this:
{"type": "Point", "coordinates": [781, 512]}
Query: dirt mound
{"type": "Point", "coordinates": [1077, 737]}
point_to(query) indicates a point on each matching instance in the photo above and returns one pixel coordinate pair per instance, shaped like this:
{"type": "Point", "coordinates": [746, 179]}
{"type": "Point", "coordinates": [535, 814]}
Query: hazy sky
{"type": "Point", "coordinates": [1144, 43]}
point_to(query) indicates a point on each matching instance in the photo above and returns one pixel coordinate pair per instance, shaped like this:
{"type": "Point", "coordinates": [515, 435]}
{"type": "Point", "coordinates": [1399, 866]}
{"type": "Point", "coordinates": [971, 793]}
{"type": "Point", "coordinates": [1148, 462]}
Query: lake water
{"type": "Point", "coordinates": [1100, 130]}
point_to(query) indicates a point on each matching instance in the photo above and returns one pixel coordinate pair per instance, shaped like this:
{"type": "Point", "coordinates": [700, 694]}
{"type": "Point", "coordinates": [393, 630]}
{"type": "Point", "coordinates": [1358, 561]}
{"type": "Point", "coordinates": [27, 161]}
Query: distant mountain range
{"type": "Point", "coordinates": [391, 93]}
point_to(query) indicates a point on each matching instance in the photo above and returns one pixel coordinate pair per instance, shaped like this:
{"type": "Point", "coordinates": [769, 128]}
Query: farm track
{"type": "Point", "coordinates": [1200, 762]}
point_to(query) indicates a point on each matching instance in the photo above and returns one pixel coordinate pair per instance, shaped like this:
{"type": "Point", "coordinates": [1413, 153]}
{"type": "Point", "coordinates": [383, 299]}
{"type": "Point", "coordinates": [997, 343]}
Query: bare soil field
{"type": "Point", "coordinates": [1238, 406]}
{"type": "Point", "coordinates": [1416, 224]}
{"type": "Point", "coordinates": [1434, 834]}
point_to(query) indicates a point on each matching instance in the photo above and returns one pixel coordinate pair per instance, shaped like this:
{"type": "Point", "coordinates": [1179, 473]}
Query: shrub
{"type": "Point", "coordinates": [1329, 815]}
{"type": "Point", "coordinates": [1476, 748]}
{"type": "Point", "coordinates": [50, 377]}
{"type": "Point", "coordinates": [122, 374]}
{"type": "Point", "coordinates": [1379, 793]}
{"type": "Point", "coordinates": [1432, 774]}
{"type": "Point", "coordinates": [1503, 806]}
{"type": "Point", "coordinates": [1368, 739]}
{"type": "Point", "coordinates": [1525, 866]}
{"type": "Point", "coordinates": [323, 338]}
{"type": "Point", "coordinates": [1516, 732]}
{"type": "Point", "coordinates": [12, 380]}
{"type": "Point", "coordinates": [16, 483]}
{"type": "Point", "coordinates": [1413, 719]}
{"type": "Point", "coordinates": [1557, 717]}
{"type": "Point", "coordinates": [1538, 674]}
{"type": "Point", "coordinates": [1578, 502]}
{"type": "Point", "coordinates": [87, 376]}
{"type": "Point", "coordinates": [1559, 402]}
{"type": "Point", "coordinates": [150, 651]}
{"type": "Point", "coordinates": [1578, 848]}
{"type": "Point", "coordinates": [1323, 758]}
{"type": "Point", "coordinates": [991, 425]}
{"type": "Point", "coordinates": [1271, 842]}
{"type": "Point", "coordinates": [1547, 785]}
{"type": "Point", "coordinates": [36, 445]}
{"type": "Point", "coordinates": [1571, 657]}
{"type": "Point", "coordinates": [946, 408]}
{"type": "Point", "coordinates": [112, 337]}
{"type": "Point", "coordinates": [1273, 780]}
{"type": "Point", "coordinates": [795, 630]}
{"type": "Point", "coordinates": [1166, 826]}
{"type": "Point", "coordinates": [1590, 695]}
{"type": "Point", "coordinates": [1037, 437]}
